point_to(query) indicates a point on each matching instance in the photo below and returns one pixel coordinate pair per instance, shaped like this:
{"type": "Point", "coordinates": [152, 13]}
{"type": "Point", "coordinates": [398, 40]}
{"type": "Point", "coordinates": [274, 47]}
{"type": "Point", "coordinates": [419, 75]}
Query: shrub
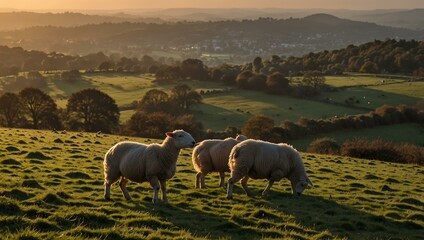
{"type": "Point", "coordinates": [383, 150]}
{"type": "Point", "coordinates": [324, 146]}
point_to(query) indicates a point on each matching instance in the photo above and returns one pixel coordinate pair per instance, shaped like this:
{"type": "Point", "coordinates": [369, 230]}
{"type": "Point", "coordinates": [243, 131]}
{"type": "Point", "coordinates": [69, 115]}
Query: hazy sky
{"type": "Point", "coordinates": [132, 4]}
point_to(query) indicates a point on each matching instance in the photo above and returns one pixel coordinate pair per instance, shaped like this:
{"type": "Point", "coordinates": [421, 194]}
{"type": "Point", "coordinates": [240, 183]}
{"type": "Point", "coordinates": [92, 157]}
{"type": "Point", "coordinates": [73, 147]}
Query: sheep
{"type": "Point", "coordinates": [212, 156]}
{"type": "Point", "coordinates": [259, 159]}
{"type": "Point", "coordinates": [137, 162]}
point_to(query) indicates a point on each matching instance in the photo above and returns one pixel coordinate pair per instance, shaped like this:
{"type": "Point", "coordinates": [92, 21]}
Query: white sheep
{"type": "Point", "coordinates": [212, 156]}
{"type": "Point", "coordinates": [137, 162]}
{"type": "Point", "coordinates": [259, 160]}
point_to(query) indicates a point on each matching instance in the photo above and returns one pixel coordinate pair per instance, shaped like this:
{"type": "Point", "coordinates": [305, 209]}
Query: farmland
{"type": "Point", "coordinates": [233, 107]}
{"type": "Point", "coordinates": [53, 188]}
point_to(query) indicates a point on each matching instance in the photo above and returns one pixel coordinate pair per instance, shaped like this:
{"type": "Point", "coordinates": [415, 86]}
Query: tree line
{"type": "Point", "coordinates": [92, 110]}
{"type": "Point", "coordinates": [389, 56]}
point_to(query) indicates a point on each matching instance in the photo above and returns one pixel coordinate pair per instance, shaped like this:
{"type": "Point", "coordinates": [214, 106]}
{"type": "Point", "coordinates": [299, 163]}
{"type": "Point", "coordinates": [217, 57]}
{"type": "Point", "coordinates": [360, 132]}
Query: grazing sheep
{"type": "Point", "coordinates": [137, 162]}
{"type": "Point", "coordinates": [212, 156]}
{"type": "Point", "coordinates": [258, 160]}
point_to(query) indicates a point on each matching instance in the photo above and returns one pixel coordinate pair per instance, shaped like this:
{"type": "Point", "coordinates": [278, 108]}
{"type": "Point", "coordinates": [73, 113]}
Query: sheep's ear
{"type": "Point", "coordinates": [169, 134]}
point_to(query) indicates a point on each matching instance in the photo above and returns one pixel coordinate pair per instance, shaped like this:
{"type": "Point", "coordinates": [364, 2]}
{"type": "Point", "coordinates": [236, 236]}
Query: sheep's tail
{"type": "Point", "coordinates": [195, 158]}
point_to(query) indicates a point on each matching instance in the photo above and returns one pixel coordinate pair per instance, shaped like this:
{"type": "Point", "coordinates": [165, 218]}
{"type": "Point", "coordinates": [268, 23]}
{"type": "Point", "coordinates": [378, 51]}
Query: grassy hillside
{"type": "Point", "coordinates": [52, 188]}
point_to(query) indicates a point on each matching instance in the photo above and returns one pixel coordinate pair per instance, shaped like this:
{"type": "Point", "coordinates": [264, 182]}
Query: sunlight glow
{"type": "Point", "coordinates": [146, 4]}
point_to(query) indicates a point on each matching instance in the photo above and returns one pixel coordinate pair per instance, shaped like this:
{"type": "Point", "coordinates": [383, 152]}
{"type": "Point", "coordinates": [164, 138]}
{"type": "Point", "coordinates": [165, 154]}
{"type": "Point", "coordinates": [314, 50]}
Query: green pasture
{"type": "Point", "coordinates": [52, 188]}
{"type": "Point", "coordinates": [400, 133]}
{"type": "Point", "coordinates": [234, 108]}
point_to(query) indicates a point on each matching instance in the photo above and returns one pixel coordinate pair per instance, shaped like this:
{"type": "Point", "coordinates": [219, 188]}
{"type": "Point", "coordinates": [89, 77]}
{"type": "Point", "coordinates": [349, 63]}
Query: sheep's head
{"type": "Point", "coordinates": [299, 186]}
{"type": "Point", "coordinates": [241, 138]}
{"type": "Point", "coordinates": [182, 139]}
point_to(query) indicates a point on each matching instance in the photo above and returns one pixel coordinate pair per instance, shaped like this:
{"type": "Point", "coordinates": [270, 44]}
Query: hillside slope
{"type": "Point", "coordinates": [54, 188]}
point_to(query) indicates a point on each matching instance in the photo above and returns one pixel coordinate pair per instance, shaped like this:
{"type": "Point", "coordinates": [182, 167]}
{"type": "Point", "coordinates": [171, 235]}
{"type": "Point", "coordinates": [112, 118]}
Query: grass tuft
{"type": "Point", "coordinates": [31, 184]}
{"type": "Point", "coordinates": [10, 161]}
{"type": "Point", "coordinates": [78, 175]}
{"type": "Point", "coordinates": [38, 155]}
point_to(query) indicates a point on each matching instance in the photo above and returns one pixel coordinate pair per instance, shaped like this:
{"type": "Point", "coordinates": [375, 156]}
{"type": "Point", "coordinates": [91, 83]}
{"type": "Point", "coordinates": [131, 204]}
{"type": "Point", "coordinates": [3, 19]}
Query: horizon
{"type": "Point", "coordinates": [131, 5]}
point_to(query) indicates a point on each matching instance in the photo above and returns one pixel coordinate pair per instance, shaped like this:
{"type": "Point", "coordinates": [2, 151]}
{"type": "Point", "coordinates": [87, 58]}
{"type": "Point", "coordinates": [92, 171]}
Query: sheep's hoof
{"type": "Point", "coordinates": [230, 197]}
{"type": "Point", "coordinates": [107, 198]}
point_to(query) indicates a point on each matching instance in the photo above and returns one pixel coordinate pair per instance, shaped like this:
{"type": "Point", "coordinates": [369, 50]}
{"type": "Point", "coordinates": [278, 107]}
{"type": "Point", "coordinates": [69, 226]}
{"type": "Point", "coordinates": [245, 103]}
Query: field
{"type": "Point", "coordinates": [233, 107]}
{"type": "Point", "coordinates": [52, 188]}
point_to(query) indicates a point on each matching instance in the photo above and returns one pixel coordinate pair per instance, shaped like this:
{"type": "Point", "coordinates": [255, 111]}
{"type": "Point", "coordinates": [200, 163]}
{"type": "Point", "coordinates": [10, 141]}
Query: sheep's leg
{"type": "Point", "coordinates": [202, 180]}
{"type": "Point", "coordinates": [196, 185]}
{"type": "Point", "coordinates": [244, 185]}
{"type": "Point", "coordinates": [275, 176]}
{"type": "Point", "coordinates": [230, 185]}
{"type": "Point", "coordinates": [122, 185]}
{"type": "Point", "coordinates": [222, 179]}
{"type": "Point", "coordinates": [107, 191]}
{"type": "Point", "coordinates": [163, 189]}
{"type": "Point", "coordinates": [266, 191]}
{"type": "Point", "coordinates": [154, 182]}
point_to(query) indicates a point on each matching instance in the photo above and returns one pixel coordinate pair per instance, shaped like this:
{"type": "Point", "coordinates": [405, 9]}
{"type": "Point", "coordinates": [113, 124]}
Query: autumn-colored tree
{"type": "Point", "coordinates": [369, 67]}
{"type": "Point", "coordinates": [258, 127]}
{"type": "Point", "coordinates": [277, 83]}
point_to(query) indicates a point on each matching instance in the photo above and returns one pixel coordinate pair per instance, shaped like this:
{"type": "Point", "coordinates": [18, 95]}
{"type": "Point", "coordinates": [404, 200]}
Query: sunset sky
{"type": "Point", "coordinates": [139, 4]}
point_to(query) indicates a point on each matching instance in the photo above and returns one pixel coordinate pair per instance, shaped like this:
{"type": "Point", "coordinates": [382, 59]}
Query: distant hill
{"type": "Point", "coordinates": [20, 20]}
{"type": "Point", "coordinates": [242, 40]}
{"type": "Point", "coordinates": [412, 19]}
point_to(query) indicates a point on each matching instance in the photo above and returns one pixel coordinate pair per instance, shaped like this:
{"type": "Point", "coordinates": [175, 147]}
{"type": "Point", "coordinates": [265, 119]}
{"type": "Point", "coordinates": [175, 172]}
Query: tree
{"type": "Point", "coordinates": [168, 73]}
{"type": "Point", "coordinates": [276, 83]}
{"type": "Point", "coordinates": [194, 69]}
{"type": "Point", "coordinates": [216, 75]}
{"type": "Point", "coordinates": [243, 77]}
{"type": "Point", "coordinates": [92, 110]}
{"type": "Point", "coordinates": [152, 125]}
{"type": "Point", "coordinates": [156, 101]}
{"type": "Point", "coordinates": [369, 67]}
{"type": "Point", "coordinates": [106, 66]}
{"type": "Point", "coordinates": [257, 64]}
{"type": "Point", "coordinates": [39, 108]}
{"type": "Point", "coordinates": [184, 96]}
{"type": "Point", "coordinates": [314, 79]}
{"type": "Point", "coordinates": [258, 127]}
{"type": "Point", "coordinates": [256, 82]}
{"type": "Point", "coordinates": [10, 109]}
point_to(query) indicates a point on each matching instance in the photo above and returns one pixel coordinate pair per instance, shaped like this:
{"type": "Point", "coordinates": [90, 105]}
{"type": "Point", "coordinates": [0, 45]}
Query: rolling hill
{"type": "Point", "coordinates": [242, 40]}
{"type": "Point", "coordinates": [411, 19]}
{"type": "Point", "coordinates": [53, 188]}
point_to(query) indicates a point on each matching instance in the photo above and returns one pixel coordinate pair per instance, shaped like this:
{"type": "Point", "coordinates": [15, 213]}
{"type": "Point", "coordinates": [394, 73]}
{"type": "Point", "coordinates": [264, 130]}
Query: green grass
{"type": "Point", "coordinates": [53, 188]}
{"type": "Point", "coordinates": [401, 133]}
{"type": "Point", "coordinates": [221, 110]}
